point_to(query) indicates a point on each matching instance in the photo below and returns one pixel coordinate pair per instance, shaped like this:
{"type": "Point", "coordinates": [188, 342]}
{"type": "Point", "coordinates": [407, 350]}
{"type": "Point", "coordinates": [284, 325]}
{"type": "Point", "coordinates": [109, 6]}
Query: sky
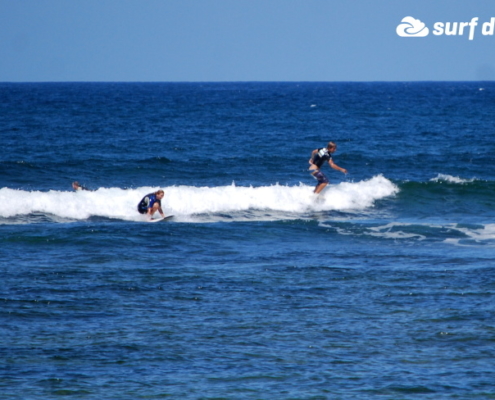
{"type": "Point", "coordinates": [245, 40]}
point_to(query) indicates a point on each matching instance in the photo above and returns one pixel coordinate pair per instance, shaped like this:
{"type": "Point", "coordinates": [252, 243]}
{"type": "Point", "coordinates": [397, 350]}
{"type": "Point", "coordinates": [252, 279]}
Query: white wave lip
{"type": "Point", "coordinates": [450, 179]}
{"type": "Point", "coordinates": [111, 203]}
{"type": "Point", "coordinates": [186, 201]}
{"type": "Point", "coordinates": [344, 196]}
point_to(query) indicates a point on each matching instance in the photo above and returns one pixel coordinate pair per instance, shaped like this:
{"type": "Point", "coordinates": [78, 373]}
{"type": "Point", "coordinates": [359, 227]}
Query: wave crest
{"type": "Point", "coordinates": [186, 202]}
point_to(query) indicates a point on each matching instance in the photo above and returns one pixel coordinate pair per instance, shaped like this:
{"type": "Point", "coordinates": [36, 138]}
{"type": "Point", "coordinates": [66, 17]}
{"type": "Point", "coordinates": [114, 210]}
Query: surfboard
{"type": "Point", "coordinates": [160, 219]}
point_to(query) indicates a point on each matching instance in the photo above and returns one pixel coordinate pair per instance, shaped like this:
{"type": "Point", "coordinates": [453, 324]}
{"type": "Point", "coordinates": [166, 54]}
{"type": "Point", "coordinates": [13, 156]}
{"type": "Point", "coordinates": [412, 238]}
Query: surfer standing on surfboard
{"type": "Point", "coordinates": [151, 203]}
{"type": "Point", "coordinates": [318, 158]}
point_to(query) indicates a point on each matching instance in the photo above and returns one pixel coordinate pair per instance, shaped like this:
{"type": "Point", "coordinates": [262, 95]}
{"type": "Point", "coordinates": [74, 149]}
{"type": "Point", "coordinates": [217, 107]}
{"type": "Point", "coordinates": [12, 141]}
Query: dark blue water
{"type": "Point", "coordinates": [382, 287]}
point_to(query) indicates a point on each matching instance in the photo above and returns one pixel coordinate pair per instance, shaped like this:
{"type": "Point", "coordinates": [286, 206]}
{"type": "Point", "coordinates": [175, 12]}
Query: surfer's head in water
{"type": "Point", "coordinates": [77, 186]}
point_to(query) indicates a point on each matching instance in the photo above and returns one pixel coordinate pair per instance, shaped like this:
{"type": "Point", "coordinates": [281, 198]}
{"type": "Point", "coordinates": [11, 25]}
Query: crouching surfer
{"type": "Point", "coordinates": [151, 203]}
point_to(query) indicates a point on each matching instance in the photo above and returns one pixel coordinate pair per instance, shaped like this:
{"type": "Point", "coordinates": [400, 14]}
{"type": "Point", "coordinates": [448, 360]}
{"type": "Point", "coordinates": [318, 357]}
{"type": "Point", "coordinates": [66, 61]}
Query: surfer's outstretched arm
{"type": "Point", "coordinates": [336, 167]}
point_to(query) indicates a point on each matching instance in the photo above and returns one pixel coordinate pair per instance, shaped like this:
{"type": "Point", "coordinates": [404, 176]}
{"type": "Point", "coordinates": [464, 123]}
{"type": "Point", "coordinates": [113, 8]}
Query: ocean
{"type": "Point", "coordinates": [381, 287]}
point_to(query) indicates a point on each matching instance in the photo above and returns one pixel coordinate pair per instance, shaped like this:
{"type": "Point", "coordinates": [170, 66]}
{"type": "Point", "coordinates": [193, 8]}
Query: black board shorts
{"type": "Point", "coordinates": [320, 177]}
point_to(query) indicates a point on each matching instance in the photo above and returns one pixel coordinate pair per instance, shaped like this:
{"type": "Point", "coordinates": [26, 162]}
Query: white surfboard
{"type": "Point", "coordinates": [160, 219]}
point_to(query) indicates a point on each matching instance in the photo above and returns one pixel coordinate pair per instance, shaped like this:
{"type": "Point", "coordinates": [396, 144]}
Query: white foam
{"type": "Point", "coordinates": [450, 179]}
{"type": "Point", "coordinates": [472, 235]}
{"type": "Point", "coordinates": [484, 233]}
{"type": "Point", "coordinates": [186, 202]}
{"type": "Point", "coordinates": [392, 231]}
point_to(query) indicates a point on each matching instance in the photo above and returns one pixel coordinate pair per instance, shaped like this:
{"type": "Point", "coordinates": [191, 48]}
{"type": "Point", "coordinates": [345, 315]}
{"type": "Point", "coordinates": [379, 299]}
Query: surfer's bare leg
{"type": "Point", "coordinates": [156, 207]}
{"type": "Point", "coordinates": [320, 187]}
{"type": "Point", "coordinates": [153, 209]}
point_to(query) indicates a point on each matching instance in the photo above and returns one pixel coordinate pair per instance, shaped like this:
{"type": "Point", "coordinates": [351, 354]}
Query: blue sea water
{"type": "Point", "coordinates": [381, 287]}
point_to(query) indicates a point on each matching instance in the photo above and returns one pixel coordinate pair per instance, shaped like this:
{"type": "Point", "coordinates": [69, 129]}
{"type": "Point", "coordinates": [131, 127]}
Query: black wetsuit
{"type": "Point", "coordinates": [319, 159]}
{"type": "Point", "coordinates": [147, 203]}
{"type": "Point", "coordinates": [321, 156]}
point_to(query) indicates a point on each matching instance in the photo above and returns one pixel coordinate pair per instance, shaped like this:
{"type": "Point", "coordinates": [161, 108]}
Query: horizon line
{"type": "Point", "coordinates": [258, 81]}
